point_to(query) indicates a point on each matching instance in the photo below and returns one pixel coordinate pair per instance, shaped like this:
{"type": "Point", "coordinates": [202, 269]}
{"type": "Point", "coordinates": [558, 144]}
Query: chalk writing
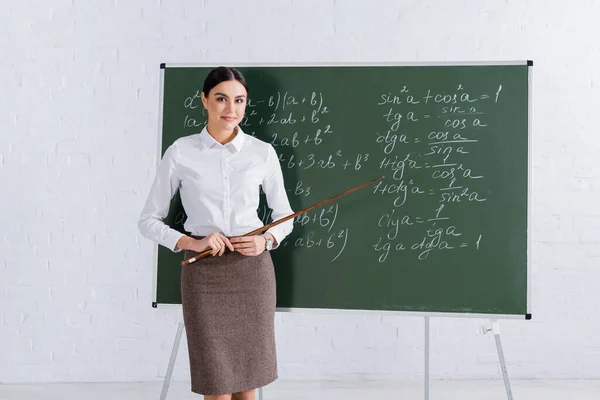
{"type": "Point", "coordinates": [453, 139]}
{"type": "Point", "coordinates": [423, 141]}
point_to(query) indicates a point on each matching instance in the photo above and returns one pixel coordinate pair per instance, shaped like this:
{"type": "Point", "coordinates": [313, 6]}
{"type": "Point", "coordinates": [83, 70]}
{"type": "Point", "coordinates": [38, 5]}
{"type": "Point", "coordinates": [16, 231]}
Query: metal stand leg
{"type": "Point", "coordinates": [167, 382]}
{"type": "Point", "coordinates": [426, 358]}
{"type": "Point", "coordinates": [496, 330]}
{"type": "Point", "coordinates": [260, 396]}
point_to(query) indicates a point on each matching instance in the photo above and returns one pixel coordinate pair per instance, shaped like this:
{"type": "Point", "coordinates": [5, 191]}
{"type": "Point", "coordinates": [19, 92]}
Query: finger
{"type": "Point", "coordinates": [214, 246]}
{"type": "Point", "coordinates": [239, 242]}
{"type": "Point", "coordinates": [217, 241]}
{"type": "Point", "coordinates": [248, 247]}
{"type": "Point", "coordinates": [245, 238]}
{"type": "Point", "coordinates": [227, 242]}
{"type": "Point", "coordinates": [244, 246]}
{"type": "Point", "coordinates": [221, 247]}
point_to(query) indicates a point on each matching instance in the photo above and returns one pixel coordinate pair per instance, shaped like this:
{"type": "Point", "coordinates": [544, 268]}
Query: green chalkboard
{"type": "Point", "coordinates": [446, 230]}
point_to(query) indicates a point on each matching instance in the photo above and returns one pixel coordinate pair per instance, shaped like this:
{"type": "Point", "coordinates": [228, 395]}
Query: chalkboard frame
{"type": "Point", "coordinates": [530, 198]}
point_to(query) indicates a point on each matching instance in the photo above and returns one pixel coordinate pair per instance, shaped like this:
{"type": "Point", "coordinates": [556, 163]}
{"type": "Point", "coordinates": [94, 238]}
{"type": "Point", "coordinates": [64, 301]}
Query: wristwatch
{"type": "Point", "coordinates": [268, 243]}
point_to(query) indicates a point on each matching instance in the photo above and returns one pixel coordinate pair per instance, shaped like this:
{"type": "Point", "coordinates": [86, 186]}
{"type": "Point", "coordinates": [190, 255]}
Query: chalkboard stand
{"type": "Point", "coordinates": [167, 381]}
{"type": "Point", "coordinates": [495, 329]}
{"type": "Point", "coordinates": [426, 358]}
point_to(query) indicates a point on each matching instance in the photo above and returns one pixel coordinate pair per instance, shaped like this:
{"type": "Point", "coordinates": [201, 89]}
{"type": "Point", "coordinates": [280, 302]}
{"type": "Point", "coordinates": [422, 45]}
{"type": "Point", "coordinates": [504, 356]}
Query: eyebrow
{"type": "Point", "coordinates": [224, 95]}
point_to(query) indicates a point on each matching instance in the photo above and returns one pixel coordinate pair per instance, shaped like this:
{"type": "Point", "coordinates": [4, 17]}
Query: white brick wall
{"type": "Point", "coordinates": [78, 133]}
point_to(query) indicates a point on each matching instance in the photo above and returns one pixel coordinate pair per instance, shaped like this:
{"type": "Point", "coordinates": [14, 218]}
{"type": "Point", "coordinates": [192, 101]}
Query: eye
{"type": "Point", "coordinates": [220, 98]}
{"type": "Point", "coordinates": [239, 100]}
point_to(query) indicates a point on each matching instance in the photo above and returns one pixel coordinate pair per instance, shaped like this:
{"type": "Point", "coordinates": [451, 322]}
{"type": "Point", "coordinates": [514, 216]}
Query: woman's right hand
{"type": "Point", "coordinates": [216, 241]}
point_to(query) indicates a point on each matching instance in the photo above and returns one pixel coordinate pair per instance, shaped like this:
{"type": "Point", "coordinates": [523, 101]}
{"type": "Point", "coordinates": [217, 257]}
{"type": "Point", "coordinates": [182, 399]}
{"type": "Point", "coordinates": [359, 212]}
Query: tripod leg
{"type": "Point", "coordinates": [496, 330]}
{"type": "Point", "coordinates": [167, 382]}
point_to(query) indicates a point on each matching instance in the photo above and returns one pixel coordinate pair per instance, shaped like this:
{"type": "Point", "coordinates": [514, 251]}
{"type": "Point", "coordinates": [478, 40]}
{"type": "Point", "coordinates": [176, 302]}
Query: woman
{"type": "Point", "coordinates": [228, 299]}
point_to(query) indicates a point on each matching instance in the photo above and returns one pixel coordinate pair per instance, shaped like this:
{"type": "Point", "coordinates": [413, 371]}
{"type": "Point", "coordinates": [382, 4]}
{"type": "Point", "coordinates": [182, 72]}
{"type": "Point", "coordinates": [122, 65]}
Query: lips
{"type": "Point", "coordinates": [229, 119]}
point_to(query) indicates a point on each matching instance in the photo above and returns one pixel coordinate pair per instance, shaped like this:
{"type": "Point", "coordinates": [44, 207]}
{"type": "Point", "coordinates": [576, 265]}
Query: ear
{"type": "Point", "coordinates": [204, 100]}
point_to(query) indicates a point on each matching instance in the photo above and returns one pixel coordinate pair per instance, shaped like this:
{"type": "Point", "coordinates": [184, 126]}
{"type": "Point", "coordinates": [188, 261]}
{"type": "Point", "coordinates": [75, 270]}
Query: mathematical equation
{"type": "Point", "coordinates": [277, 109]}
{"type": "Point", "coordinates": [430, 166]}
{"type": "Point", "coordinates": [423, 142]}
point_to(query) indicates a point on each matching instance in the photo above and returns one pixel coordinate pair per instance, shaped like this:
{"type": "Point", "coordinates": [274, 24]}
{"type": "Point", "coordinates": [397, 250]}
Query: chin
{"type": "Point", "coordinates": [230, 125]}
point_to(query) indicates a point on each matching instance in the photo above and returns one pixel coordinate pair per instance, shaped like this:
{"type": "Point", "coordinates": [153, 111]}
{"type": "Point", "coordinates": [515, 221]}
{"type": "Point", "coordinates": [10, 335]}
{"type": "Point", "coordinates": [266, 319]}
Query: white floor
{"type": "Point", "coordinates": [330, 390]}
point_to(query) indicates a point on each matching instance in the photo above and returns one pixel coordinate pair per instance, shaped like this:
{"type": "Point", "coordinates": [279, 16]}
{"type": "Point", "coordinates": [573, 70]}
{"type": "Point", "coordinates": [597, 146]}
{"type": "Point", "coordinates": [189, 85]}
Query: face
{"type": "Point", "coordinates": [225, 105]}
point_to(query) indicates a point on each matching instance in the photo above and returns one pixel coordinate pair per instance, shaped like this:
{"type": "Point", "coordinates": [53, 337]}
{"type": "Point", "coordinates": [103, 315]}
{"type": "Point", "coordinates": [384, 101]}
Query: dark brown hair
{"type": "Point", "coordinates": [222, 74]}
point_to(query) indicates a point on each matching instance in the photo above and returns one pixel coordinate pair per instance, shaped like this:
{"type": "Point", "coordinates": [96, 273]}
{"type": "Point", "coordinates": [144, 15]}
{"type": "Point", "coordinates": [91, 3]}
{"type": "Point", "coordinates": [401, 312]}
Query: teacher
{"type": "Point", "coordinates": [228, 298]}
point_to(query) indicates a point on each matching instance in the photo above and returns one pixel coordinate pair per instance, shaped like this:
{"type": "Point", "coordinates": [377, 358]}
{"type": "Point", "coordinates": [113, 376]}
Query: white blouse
{"type": "Point", "coordinates": [219, 188]}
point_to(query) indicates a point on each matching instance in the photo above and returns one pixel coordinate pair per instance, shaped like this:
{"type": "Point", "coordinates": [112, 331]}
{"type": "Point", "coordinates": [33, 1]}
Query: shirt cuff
{"type": "Point", "coordinates": [171, 240]}
{"type": "Point", "coordinates": [279, 233]}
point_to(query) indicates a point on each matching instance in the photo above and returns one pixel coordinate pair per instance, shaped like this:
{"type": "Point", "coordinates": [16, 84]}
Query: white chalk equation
{"type": "Point", "coordinates": [428, 143]}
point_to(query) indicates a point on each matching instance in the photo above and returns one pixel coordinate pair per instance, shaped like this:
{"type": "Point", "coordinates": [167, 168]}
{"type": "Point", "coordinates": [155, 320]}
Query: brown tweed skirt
{"type": "Point", "coordinates": [228, 311]}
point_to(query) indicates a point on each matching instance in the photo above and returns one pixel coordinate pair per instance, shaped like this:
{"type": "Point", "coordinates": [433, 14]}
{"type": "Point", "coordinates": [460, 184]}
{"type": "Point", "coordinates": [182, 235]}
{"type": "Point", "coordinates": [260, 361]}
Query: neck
{"type": "Point", "coordinates": [221, 136]}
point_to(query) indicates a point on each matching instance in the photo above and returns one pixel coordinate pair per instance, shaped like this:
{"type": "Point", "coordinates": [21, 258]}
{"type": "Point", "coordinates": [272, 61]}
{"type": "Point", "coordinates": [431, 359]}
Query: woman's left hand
{"type": "Point", "coordinates": [248, 245]}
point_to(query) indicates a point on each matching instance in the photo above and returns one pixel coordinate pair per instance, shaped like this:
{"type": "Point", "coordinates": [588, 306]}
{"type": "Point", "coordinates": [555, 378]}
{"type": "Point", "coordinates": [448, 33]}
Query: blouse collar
{"type": "Point", "coordinates": [235, 145]}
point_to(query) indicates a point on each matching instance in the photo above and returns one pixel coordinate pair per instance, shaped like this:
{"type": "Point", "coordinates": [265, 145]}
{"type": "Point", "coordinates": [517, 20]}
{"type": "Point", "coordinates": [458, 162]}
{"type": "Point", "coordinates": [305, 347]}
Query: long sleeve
{"type": "Point", "coordinates": [274, 188]}
{"type": "Point", "coordinates": [163, 189]}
